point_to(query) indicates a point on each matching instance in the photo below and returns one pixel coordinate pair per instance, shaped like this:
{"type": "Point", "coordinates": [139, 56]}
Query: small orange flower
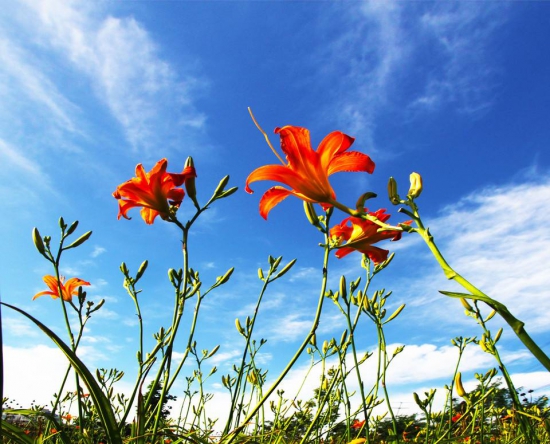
{"type": "Point", "coordinates": [68, 289]}
{"type": "Point", "coordinates": [53, 431]}
{"type": "Point", "coordinates": [456, 417]}
{"type": "Point", "coordinates": [307, 171]}
{"type": "Point", "coordinates": [357, 424]}
{"type": "Point", "coordinates": [154, 191]}
{"type": "Point", "coordinates": [68, 417]}
{"type": "Point", "coordinates": [360, 234]}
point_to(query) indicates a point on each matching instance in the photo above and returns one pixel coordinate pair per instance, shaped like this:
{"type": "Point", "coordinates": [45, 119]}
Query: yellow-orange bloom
{"type": "Point", "coordinates": [154, 191]}
{"type": "Point", "coordinates": [68, 289]}
{"type": "Point", "coordinates": [307, 170]}
{"type": "Point", "coordinates": [360, 234]}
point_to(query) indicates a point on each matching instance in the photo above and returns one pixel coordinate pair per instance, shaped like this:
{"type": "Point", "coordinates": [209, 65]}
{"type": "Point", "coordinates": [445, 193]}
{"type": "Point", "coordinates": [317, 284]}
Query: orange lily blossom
{"type": "Point", "coordinates": [306, 171]}
{"type": "Point", "coordinates": [360, 234]}
{"type": "Point", "coordinates": [68, 289]}
{"type": "Point", "coordinates": [154, 191]}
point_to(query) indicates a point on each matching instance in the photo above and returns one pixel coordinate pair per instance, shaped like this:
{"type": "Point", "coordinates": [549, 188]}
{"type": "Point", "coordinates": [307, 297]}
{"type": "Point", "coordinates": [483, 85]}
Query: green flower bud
{"type": "Point", "coordinates": [392, 191]}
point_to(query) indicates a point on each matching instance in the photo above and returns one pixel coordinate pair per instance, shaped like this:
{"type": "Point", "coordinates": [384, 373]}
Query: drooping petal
{"type": "Point", "coordinates": [148, 215]}
{"type": "Point", "coordinates": [276, 173]}
{"type": "Point", "coordinates": [354, 161]}
{"type": "Point", "coordinates": [272, 197]}
{"type": "Point", "coordinates": [42, 293]}
{"type": "Point", "coordinates": [180, 178]}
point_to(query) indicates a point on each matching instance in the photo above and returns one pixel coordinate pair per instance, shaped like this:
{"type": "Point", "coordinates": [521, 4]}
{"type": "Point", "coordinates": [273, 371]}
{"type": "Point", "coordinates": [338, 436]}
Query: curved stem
{"type": "Point", "coordinates": [476, 294]}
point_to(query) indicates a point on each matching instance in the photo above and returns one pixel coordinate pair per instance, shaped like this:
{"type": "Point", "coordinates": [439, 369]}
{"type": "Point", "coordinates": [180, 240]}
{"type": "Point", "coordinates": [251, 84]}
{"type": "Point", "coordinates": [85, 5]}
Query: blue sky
{"type": "Point", "coordinates": [457, 91]}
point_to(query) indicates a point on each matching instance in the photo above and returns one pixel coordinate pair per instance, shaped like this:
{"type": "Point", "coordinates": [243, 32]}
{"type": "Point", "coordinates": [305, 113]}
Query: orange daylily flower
{"type": "Point", "coordinates": [307, 171]}
{"type": "Point", "coordinates": [357, 424]}
{"type": "Point", "coordinates": [68, 289]}
{"type": "Point", "coordinates": [154, 191]}
{"type": "Point", "coordinates": [360, 234]}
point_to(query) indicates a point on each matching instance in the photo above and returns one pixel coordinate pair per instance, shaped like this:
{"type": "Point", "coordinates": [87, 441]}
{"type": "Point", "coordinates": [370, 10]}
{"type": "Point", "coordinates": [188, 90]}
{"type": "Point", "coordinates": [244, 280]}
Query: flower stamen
{"type": "Point", "coordinates": [266, 137]}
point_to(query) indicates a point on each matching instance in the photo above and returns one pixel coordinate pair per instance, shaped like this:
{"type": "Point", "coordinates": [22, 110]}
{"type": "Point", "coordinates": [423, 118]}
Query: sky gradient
{"type": "Point", "coordinates": [457, 91]}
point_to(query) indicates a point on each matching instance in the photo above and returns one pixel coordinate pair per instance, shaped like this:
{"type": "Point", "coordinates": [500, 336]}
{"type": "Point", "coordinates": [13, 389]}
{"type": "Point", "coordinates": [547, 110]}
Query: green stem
{"type": "Point", "coordinates": [302, 347]}
{"type": "Point", "coordinates": [476, 294]}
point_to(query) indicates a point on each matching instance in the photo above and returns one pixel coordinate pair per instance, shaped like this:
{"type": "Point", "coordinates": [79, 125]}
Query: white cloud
{"type": "Point", "coordinates": [120, 60]}
{"type": "Point", "coordinates": [42, 369]}
{"type": "Point", "coordinates": [497, 238]}
{"type": "Point", "coordinates": [19, 328]}
{"type": "Point", "coordinates": [97, 251]}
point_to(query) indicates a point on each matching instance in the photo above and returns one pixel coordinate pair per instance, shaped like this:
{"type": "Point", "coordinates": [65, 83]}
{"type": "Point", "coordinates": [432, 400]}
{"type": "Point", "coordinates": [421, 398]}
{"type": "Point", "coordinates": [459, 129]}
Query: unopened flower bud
{"type": "Point", "coordinates": [459, 387]}
{"type": "Point", "coordinates": [392, 191]}
{"type": "Point", "coordinates": [190, 181]}
{"type": "Point", "coordinates": [311, 214]}
{"type": "Point", "coordinates": [416, 186]}
{"type": "Point", "coordinates": [38, 243]}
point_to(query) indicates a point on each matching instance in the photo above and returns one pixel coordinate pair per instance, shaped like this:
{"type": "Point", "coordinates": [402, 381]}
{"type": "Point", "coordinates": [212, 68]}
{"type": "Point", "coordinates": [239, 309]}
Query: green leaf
{"type": "Point", "coordinates": [14, 433]}
{"type": "Point", "coordinates": [100, 400]}
{"type": "Point", "coordinates": [49, 416]}
{"type": "Point", "coordinates": [458, 295]}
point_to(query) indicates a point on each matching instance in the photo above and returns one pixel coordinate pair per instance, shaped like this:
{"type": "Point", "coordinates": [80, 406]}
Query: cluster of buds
{"type": "Point", "coordinates": [414, 191]}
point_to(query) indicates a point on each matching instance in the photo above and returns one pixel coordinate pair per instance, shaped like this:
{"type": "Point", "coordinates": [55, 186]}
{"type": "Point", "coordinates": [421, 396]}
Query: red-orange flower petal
{"type": "Point", "coordinates": [154, 191]}
{"type": "Point", "coordinates": [68, 289]}
{"type": "Point", "coordinates": [307, 171]}
{"type": "Point", "coordinates": [360, 235]}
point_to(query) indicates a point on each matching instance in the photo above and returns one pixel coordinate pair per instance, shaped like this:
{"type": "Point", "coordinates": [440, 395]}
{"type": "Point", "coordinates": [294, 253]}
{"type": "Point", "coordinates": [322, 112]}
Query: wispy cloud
{"type": "Point", "coordinates": [497, 238]}
{"type": "Point", "coordinates": [121, 63]}
{"type": "Point", "coordinates": [403, 58]}
{"type": "Point", "coordinates": [97, 251]}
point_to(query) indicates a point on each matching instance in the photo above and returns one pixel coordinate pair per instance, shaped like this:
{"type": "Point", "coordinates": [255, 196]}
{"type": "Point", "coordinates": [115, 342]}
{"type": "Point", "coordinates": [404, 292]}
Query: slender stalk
{"type": "Point", "coordinates": [302, 347]}
{"type": "Point", "coordinates": [240, 376]}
